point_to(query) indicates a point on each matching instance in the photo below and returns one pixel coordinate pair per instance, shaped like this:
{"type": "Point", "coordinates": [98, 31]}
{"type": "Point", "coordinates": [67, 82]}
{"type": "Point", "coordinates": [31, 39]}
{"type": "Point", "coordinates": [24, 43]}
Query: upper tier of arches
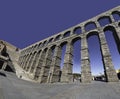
{"type": "Point", "coordinates": [101, 21]}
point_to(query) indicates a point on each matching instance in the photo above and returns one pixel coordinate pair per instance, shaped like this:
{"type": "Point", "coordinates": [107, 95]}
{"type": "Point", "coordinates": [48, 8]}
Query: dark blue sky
{"type": "Point", "coordinates": [23, 22]}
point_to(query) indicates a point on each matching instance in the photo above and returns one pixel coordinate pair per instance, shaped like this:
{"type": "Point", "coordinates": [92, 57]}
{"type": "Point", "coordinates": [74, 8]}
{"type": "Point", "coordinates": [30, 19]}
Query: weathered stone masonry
{"type": "Point", "coordinates": [42, 59]}
{"type": "Point", "coordinates": [6, 54]}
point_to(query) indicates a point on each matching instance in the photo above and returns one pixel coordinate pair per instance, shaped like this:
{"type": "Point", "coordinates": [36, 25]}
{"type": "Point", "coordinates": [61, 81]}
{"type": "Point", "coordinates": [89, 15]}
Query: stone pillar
{"type": "Point", "coordinates": [38, 65]}
{"type": "Point", "coordinates": [83, 29]}
{"type": "Point", "coordinates": [54, 73]}
{"type": "Point", "coordinates": [110, 73]}
{"type": "Point", "coordinates": [32, 63]}
{"type": "Point", "coordinates": [28, 62]}
{"type": "Point", "coordinates": [4, 65]}
{"type": "Point", "coordinates": [36, 60]}
{"type": "Point", "coordinates": [97, 24]}
{"type": "Point", "coordinates": [85, 62]}
{"type": "Point", "coordinates": [46, 67]}
{"type": "Point", "coordinates": [112, 18]}
{"type": "Point", "coordinates": [23, 62]}
{"type": "Point", "coordinates": [20, 60]}
{"type": "Point", "coordinates": [67, 75]}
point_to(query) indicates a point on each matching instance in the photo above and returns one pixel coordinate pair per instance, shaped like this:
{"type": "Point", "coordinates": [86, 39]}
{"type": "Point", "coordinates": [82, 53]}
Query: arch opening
{"type": "Point", "coordinates": [104, 20]}
{"type": "Point", "coordinates": [96, 63]}
{"type": "Point", "coordinates": [39, 45]}
{"type": "Point", "coordinates": [111, 40]}
{"type": "Point", "coordinates": [90, 26]}
{"type": "Point", "coordinates": [114, 34]}
{"type": "Point", "coordinates": [39, 58]}
{"type": "Point", "coordinates": [23, 64]}
{"type": "Point", "coordinates": [53, 51]}
{"type": "Point", "coordinates": [63, 50]}
{"type": "Point", "coordinates": [77, 30]}
{"type": "Point", "coordinates": [57, 38]}
{"type": "Point", "coordinates": [44, 43]}
{"type": "Point", "coordinates": [36, 69]}
{"type": "Point", "coordinates": [33, 61]}
{"type": "Point", "coordinates": [116, 15]}
{"type": "Point", "coordinates": [66, 34]}
{"type": "Point", "coordinates": [50, 40]}
{"type": "Point", "coordinates": [51, 63]}
{"type": "Point", "coordinates": [35, 47]}
{"type": "Point", "coordinates": [76, 60]}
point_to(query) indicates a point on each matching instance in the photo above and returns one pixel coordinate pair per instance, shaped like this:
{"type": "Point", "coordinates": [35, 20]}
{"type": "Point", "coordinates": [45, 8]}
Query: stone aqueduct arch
{"type": "Point", "coordinates": [43, 58]}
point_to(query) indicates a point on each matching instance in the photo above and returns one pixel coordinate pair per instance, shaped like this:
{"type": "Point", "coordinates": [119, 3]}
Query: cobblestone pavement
{"type": "Point", "coordinates": [13, 88]}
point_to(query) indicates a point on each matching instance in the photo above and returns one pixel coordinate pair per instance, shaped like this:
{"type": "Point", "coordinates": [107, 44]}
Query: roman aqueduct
{"type": "Point", "coordinates": [42, 59]}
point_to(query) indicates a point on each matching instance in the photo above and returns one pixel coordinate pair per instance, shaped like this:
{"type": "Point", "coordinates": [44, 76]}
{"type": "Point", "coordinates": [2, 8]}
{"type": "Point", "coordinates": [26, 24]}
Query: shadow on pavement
{"type": "Point", "coordinates": [2, 74]}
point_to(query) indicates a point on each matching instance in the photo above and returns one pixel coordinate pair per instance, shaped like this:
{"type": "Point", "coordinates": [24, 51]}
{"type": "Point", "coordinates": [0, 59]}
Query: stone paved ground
{"type": "Point", "coordinates": [13, 88]}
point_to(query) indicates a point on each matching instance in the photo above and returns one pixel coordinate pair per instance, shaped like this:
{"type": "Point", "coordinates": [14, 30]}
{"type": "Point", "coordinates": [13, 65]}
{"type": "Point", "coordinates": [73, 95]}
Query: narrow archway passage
{"type": "Point", "coordinates": [63, 48]}
{"type": "Point", "coordinates": [76, 57]}
{"type": "Point", "coordinates": [113, 48]}
{"type": "Point", "coordinates": [76, 60]}
{"type": "Point", "coordinates": [97, 68]}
